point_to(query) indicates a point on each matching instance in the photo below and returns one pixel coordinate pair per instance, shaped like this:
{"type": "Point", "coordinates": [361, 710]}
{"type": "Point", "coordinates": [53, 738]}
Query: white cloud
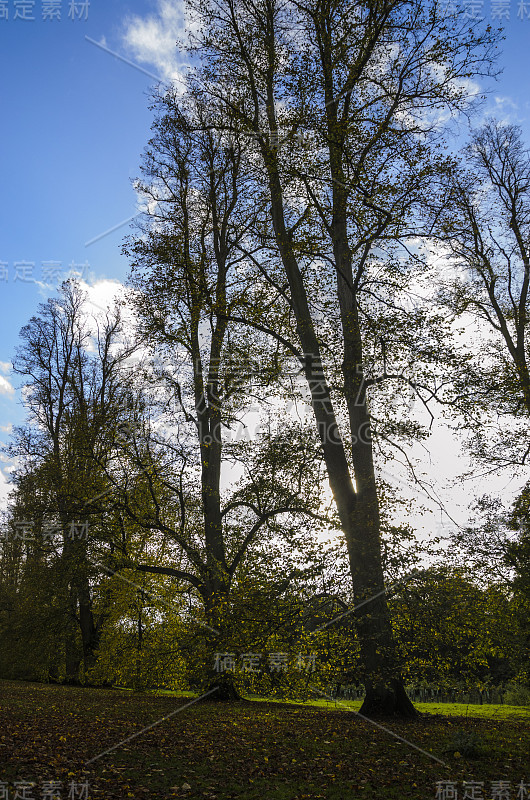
{"type": "Point", "coordinates": [153, 39]}
{"type": "Point", "coordinates": [505, 101]}
{"type": "Point", "coordinates": [5, 387]}
{"type": "Point", "coordinates": [504, 109]}
{"type": "Point", "coordinates": [6, 428]}
{"type": "Point", "coordinates": [102, 294]}
{"type": "Point", "coordinates": [5, 367]}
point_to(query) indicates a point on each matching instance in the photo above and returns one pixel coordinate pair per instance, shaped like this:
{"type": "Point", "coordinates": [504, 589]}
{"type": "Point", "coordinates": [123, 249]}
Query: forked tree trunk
{"type": "Point", "coordinates": [385, 692]}
{"type": "Point", "coordinates": [358, 507]}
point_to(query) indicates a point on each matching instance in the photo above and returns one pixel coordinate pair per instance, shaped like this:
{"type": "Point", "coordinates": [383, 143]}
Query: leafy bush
{"type": "Point", "coordinates": [517, 695]}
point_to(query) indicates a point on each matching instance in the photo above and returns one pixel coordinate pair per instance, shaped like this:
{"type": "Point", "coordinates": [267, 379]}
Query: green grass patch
{"type": "Point", "coordinates": [448, 709]}
{"type": "Point", "coordinates": [250, 751]}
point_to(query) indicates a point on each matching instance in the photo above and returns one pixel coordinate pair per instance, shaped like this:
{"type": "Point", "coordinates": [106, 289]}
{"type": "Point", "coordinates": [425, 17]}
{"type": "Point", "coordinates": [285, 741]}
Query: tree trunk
{"type": "Point", "coordinates": [225, 689]}
{"type": "Point", "coordinates": [89, 634]}
{"type": "Point", "coordinates": [72, 654]}
{"type": "Point", "coordinates": [216, 595]}
{"type": "Point", "coordinates": [358, 508]}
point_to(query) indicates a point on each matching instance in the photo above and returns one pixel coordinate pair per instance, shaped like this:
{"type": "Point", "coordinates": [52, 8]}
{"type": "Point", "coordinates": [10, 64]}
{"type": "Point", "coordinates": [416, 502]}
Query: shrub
{"type": "Point", "coordinates": [517, 695]}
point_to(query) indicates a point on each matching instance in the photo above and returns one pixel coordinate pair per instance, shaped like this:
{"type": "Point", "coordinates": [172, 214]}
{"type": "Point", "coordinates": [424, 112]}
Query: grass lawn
{"type": "Point", "coordinates": [448, 709]}
{"type": "Point", "coordinates": [255, 750]}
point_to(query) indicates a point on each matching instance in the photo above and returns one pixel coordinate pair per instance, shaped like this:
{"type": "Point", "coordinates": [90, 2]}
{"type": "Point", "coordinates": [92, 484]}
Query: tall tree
{"type": "Point", "coordinates": [189, 279]}
{"type": "Point", "coordinates": [368, 83]}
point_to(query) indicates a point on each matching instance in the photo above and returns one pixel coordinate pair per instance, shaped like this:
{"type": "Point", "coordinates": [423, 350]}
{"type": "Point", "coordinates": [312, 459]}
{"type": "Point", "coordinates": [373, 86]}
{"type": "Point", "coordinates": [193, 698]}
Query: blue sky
{"type": "Point", "coordinates": [75, 122]}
